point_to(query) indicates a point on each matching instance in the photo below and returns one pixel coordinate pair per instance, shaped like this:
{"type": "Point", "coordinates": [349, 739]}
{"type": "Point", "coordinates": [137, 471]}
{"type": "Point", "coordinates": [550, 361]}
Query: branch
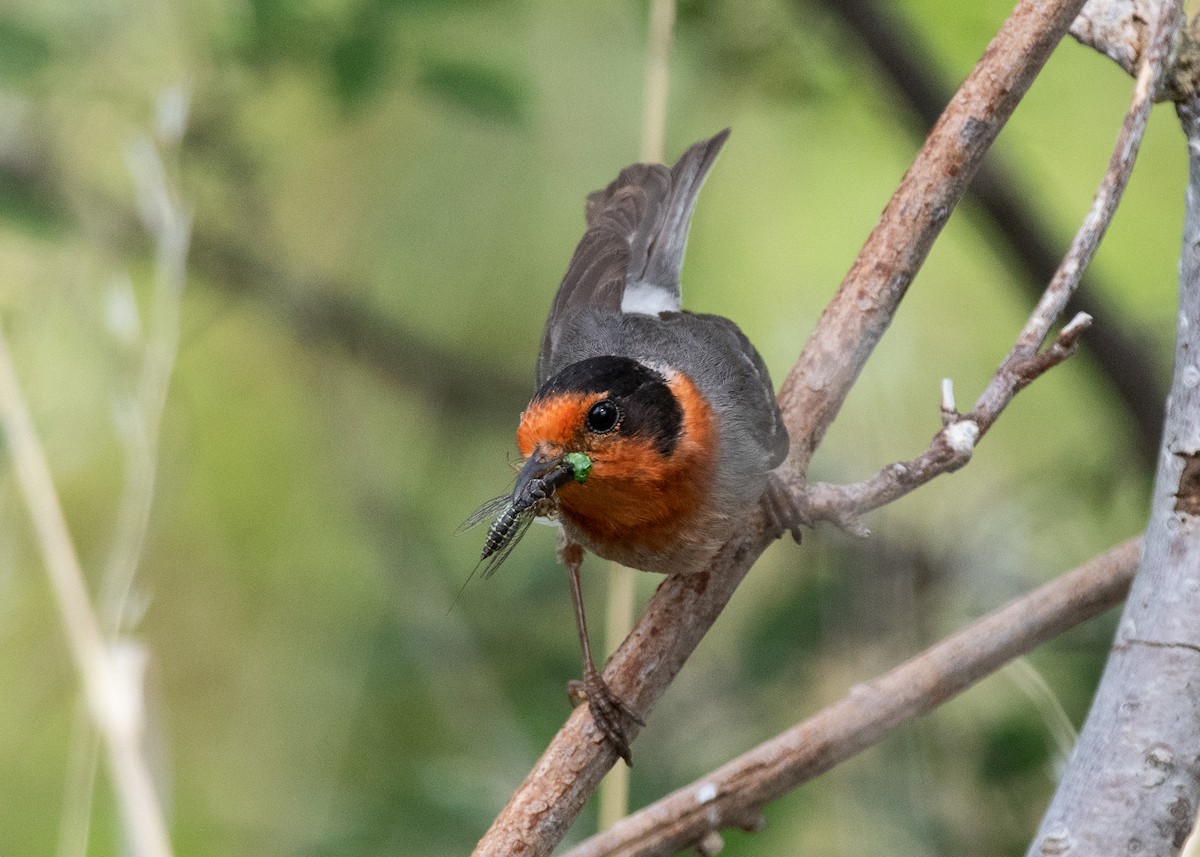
{"type": "Point", "coordinates": [865, 303]}
{"type": "Point", "coordinates": [1015, 225]}
{"type": "Point", "coordinates": [999, 392]}
{"type": "Point", "coordinates": [1133, 782]}
{"type": "Point", "coordinates": [544, 806]}
{"type": "Point", "coordinates": [1121, 30]}
{"type": "Point", "coordinates": [953, 446]}
{"type": "Point", "coordinates": [734, 794]}
{"type": "Point", "coordinates": [1116, 28]}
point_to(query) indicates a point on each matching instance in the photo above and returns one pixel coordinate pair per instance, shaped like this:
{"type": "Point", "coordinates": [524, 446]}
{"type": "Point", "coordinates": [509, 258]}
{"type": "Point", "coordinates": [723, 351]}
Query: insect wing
{"type": "Point", "coordinates": [491, 509]}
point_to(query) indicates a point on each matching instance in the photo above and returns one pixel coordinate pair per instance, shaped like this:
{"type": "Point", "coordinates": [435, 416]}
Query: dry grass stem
{"type": "Point", "coordinates": [113, 712]}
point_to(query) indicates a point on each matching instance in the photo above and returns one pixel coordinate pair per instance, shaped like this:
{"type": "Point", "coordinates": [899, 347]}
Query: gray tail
{"type": "Point", "coordinates": [659, 229]}
{"type": "Point", "coordinates": [637, 232]}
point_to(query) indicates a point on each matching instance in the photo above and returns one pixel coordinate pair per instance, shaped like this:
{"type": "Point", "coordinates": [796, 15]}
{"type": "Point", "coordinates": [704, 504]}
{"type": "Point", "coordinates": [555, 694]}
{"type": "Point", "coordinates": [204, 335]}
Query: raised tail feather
{"type": "Point", "coordinates": [630, 256]}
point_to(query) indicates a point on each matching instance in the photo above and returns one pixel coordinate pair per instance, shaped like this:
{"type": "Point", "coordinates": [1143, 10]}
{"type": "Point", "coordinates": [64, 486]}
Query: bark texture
{"type": "Point", "coordinates": [1133, 782]}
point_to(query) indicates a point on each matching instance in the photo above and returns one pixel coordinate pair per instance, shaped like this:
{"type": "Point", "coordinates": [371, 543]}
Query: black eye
{"type": "Point", "coordinates": [603, 417]}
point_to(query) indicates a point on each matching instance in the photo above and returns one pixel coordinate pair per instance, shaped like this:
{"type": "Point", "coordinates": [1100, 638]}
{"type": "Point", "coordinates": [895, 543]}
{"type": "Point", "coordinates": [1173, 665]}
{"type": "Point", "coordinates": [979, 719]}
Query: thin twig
{"type": "Point", "coordinates": [733, 795]}
{"type": "Point", "coordinates": [1000, 391]}
{"type": "Point", "coordinates": [1016, 224]}
{"type": "Point", "coordinates": [953, 446]}
{"type": "Point", "coordinates": [109, 700]}
{"type": "Point", "coordinates": [865, 303]}
{"type": "Point", "coordinates": [685, 607]}
{"type": "Point", "coordinates": [950, 449]}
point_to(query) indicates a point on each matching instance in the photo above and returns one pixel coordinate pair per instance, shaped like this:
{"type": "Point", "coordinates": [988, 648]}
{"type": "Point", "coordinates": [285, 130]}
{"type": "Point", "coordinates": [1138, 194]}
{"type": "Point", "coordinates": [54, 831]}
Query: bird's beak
{"type": "Point", "coordinates": [544, 473]}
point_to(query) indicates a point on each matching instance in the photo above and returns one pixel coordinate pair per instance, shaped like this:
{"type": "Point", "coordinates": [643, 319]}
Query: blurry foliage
{"type": "Point", "coordinates": [419, 166]}
{"type": "Point", "coordinates": [24, 52]}
{"type": "Point", "coordinates": [1014, 746]}
{"type": "Point", "coordinates": [478, 89]}
{"type": "Point", "coordinates": [363, 46]}
{"type": "Point", "coordinates": [358, 61]}
{"type": "Point", "coordinates": [26, 205]}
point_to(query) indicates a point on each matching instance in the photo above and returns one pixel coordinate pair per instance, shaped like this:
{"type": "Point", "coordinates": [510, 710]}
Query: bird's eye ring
{"type": "Point", "coordinates": [603, 417]}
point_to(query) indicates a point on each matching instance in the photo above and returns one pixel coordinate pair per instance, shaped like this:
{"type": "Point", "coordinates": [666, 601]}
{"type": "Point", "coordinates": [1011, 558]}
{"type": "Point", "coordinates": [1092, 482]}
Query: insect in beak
{"type": "Point", "coordinates": [532, 496]}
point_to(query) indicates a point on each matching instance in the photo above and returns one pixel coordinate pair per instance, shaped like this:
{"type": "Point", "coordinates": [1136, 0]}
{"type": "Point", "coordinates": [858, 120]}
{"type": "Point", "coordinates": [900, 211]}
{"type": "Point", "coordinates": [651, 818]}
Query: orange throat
{"type": "Point", "coordinates": [635, 496]}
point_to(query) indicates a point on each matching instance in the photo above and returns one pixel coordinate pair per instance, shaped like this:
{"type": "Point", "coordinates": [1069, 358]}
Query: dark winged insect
{"type": "Point", "coordinates": [515, 512]}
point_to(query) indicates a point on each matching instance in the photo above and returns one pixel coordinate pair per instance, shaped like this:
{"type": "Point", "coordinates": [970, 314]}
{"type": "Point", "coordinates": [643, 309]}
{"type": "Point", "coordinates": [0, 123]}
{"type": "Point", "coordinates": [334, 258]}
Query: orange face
{"type": "Point", "coordinates": [635, 492]}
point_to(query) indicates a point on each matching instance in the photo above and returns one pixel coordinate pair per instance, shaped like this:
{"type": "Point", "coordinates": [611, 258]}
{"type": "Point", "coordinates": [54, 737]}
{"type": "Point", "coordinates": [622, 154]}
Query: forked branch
{"type": "Point", "coordinates": [952, 447]}
{"type": "Point", "coordinates": [684, 608]}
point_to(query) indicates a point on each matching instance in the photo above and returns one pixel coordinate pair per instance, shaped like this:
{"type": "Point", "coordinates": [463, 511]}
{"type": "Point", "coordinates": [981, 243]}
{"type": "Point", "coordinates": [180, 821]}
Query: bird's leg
{"type": "Point", "coordinates": [783, 512]}
{"type": "Point", "coordinates": [609, 713]}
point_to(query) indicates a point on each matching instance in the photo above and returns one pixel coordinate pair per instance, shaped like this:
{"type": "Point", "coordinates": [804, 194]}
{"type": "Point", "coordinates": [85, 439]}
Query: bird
{"type": "Point", "coordinates": [654, 431]}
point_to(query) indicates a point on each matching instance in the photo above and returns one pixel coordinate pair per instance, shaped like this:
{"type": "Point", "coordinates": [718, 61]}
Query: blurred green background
{"type": "Point", "coordinates": [385, 194]}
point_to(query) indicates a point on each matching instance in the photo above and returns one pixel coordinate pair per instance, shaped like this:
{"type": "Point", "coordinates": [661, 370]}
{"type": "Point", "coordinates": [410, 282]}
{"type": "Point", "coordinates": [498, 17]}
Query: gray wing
{"type": "Point", "coordinates": [630, 256]}
{"type": "Point", "coordinates": [757, 396]}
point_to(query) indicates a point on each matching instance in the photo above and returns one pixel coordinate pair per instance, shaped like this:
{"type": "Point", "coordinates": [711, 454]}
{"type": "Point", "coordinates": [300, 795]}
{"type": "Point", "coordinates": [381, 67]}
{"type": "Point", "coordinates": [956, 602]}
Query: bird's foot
{"type": "Point", "coordinates": [782, 508]}
{"type": "Point", "coordinates": [609, 713]}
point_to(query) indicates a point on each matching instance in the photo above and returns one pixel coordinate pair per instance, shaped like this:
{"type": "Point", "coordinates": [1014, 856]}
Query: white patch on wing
{"type": "Point", "coordinates": [648, 299]}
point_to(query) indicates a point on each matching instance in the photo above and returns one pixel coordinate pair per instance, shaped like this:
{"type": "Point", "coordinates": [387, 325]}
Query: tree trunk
{"type": "Point", "coordinates": [1133, 781]}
